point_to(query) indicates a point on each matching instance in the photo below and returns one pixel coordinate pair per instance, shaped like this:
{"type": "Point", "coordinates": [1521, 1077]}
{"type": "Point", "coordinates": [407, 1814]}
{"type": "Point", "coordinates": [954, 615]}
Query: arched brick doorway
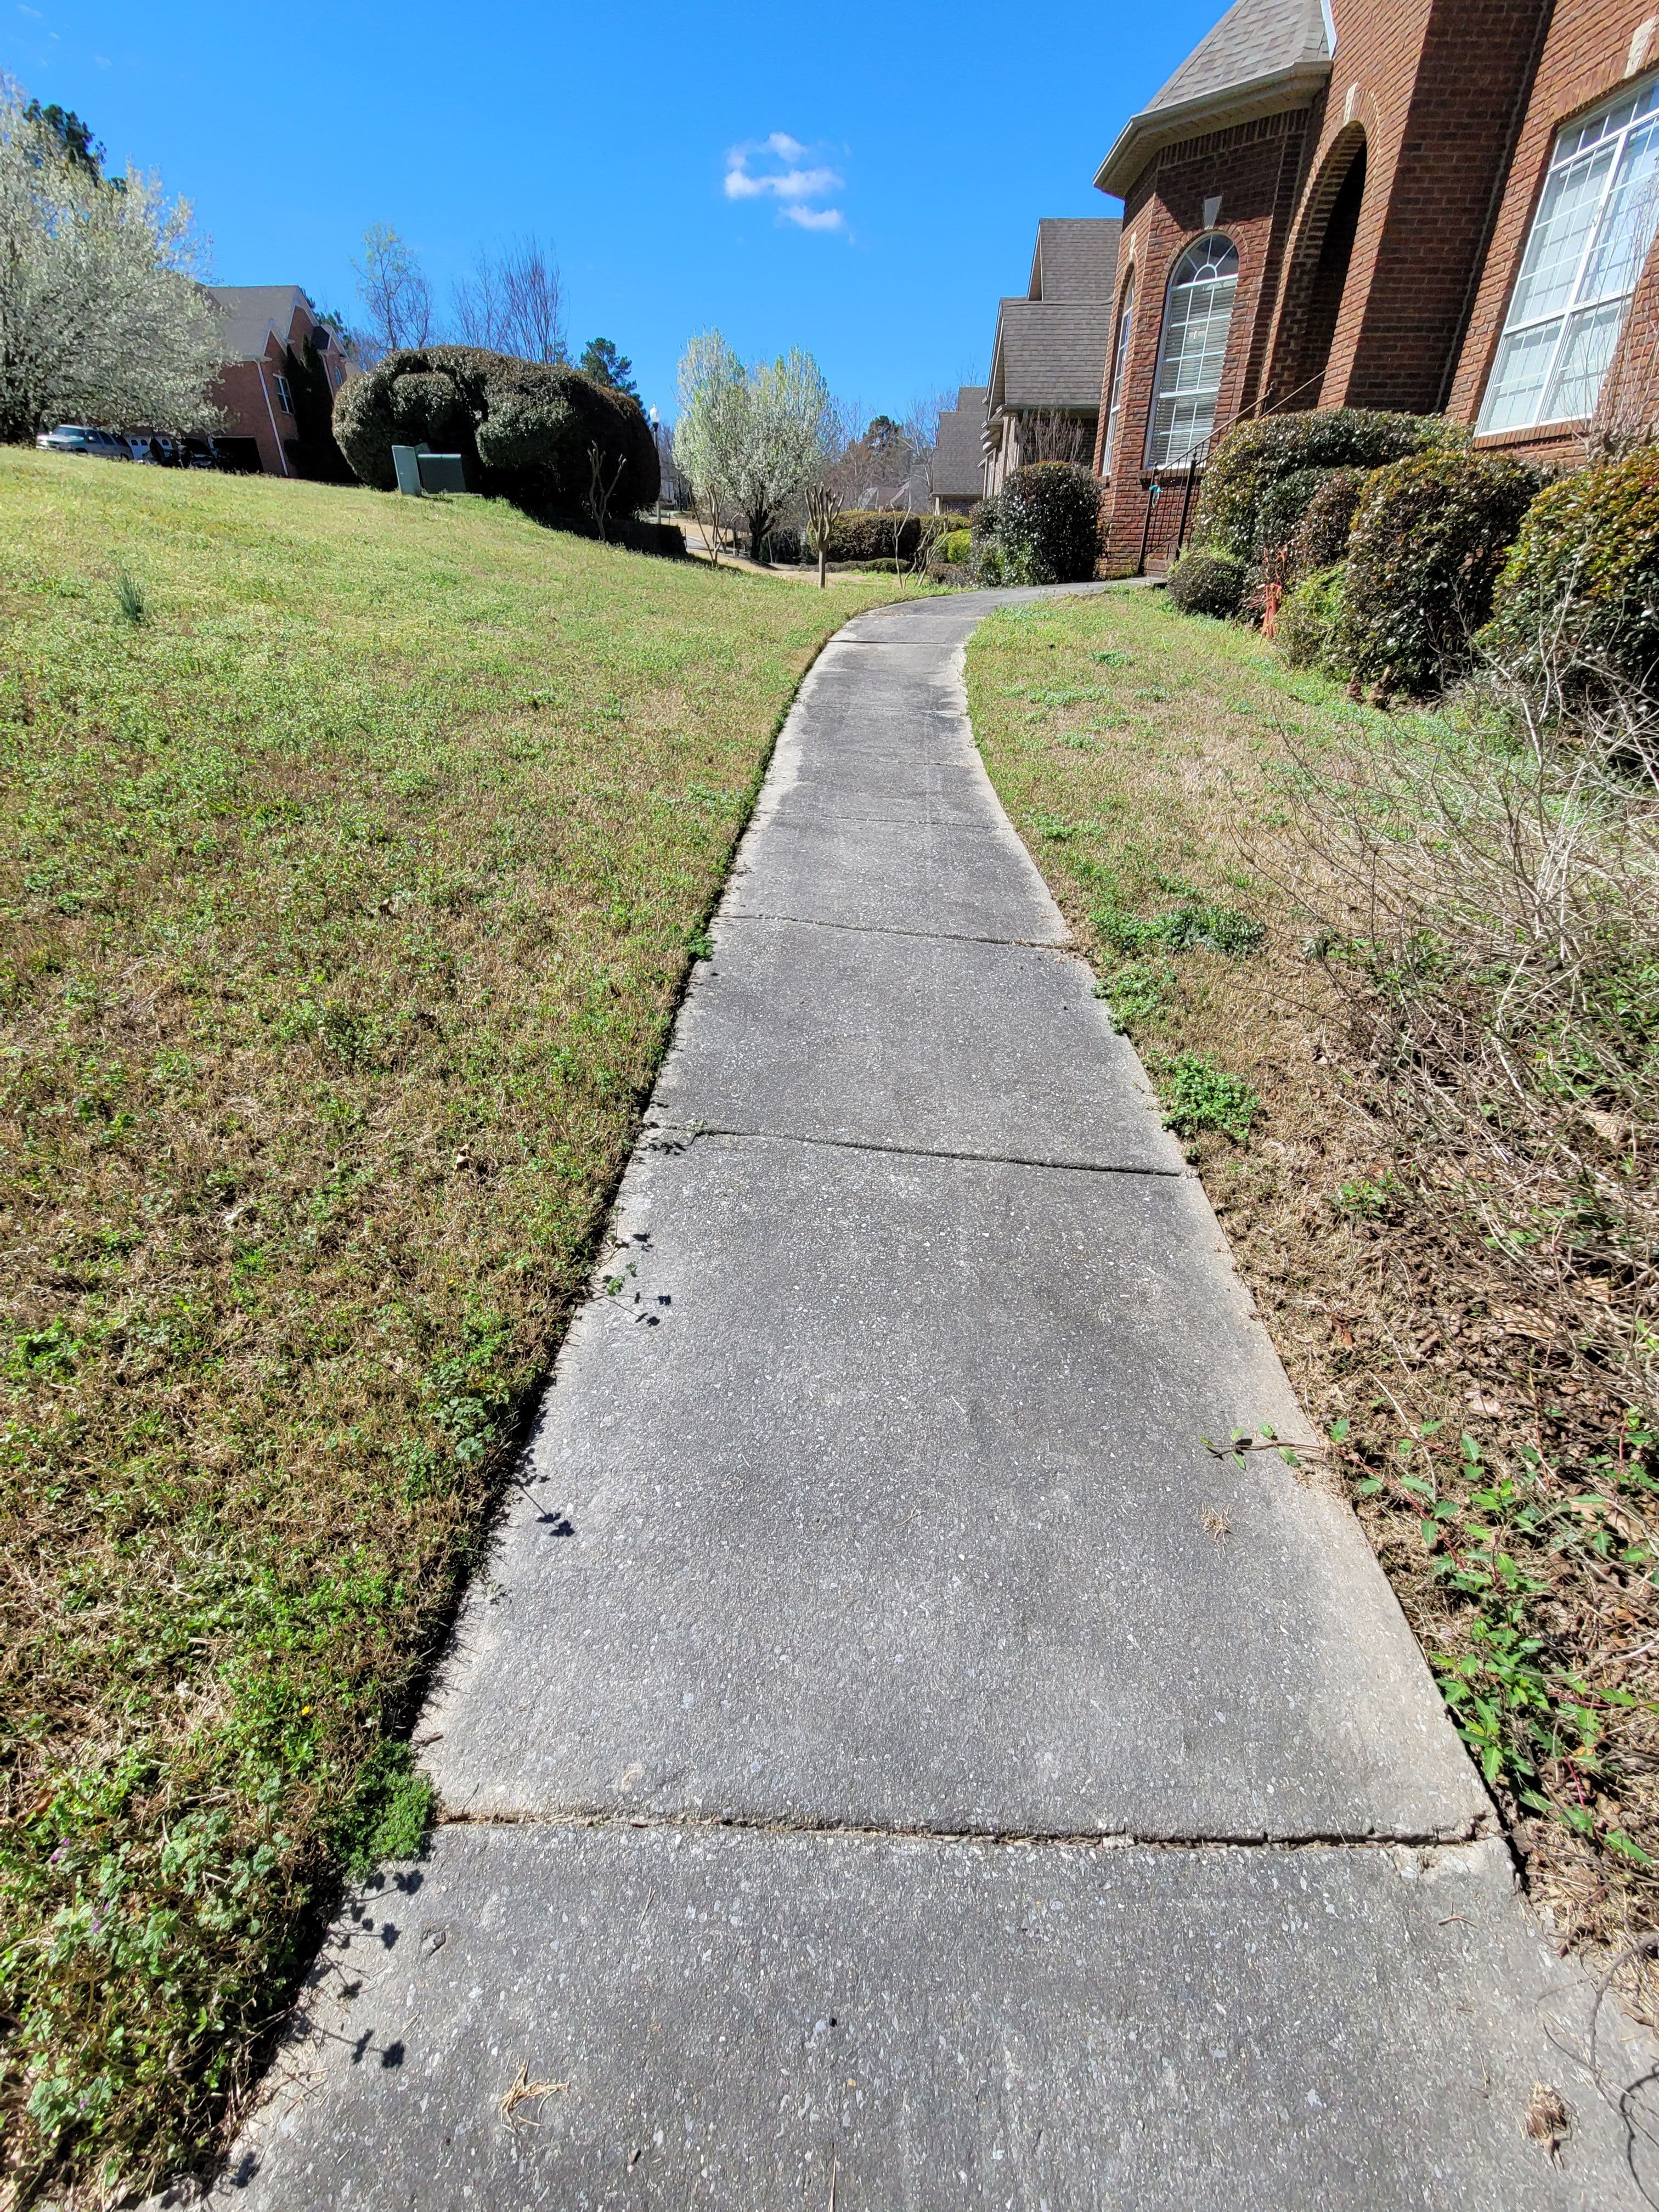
{"type": "Point", "coordinates": [1320, 274]}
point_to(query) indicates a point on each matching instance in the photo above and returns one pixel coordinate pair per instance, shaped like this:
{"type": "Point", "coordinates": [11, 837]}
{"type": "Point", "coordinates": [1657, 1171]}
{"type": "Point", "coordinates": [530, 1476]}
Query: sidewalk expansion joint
{"type": "Point", "coordinates": [1467, 1835]}
{"type": "Point", "coordinates": [887, 929]}
{"type": "Point", "coordinates": [691, 1131]}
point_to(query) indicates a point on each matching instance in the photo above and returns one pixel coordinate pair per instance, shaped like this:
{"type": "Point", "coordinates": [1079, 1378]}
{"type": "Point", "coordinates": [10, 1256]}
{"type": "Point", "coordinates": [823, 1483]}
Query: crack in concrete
{"type": "Point", "coordinates": [691, 1131]}
{"type": "Point", "coordinates": [883, 929]}
{"type": "Point", "coordinates": [1469, 1836]}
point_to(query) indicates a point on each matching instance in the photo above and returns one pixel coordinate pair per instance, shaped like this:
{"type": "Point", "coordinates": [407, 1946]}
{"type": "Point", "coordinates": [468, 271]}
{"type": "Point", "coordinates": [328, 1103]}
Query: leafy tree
{"type": "Point", "coordinates": [73, 138]}
{"type": "Point", "coordinates": [601, 361]}
{"type": "Point", "coordinates": [102, 319]}
{"type": "Point", "coordinates": [752, 440]}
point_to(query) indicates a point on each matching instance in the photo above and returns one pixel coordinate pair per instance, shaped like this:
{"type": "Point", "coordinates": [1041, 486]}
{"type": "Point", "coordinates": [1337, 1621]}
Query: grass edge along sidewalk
{"type": "Point", "coordinates": [1184, 794]}
{"type": "Point", "coordinates": [355, 849]}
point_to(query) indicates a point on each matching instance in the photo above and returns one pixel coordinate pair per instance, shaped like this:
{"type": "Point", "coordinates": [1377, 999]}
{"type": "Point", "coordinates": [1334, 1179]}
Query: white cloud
{"type": "Point", "coordinates": [776, 168]}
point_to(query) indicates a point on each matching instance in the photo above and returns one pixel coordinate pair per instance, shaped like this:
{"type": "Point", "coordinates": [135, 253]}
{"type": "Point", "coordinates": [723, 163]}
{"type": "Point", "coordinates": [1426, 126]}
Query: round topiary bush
{"type": "Point", "coordinates": [1309, 618]}
{"type": "Point", "coordinates": [529, 430]}
{"type": "Point", "coordinates": [1206, 582]}
{"type": "Point", "coordinates": [1576, 606]}
{"type": "Point", "coordinates": [1048, 523]}
{"type": "Point", "coordinates": [1427, 544]}
{"type": "Point", "coordinates": [954, 548]}
{"type": "Point", "coordinates": [1320, 537]}
{"type": "Point", "coordinates": [1241, 502]}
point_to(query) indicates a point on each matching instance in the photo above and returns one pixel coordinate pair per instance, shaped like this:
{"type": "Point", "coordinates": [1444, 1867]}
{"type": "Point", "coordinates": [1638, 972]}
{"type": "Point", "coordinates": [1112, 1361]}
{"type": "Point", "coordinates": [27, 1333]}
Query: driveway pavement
{"type": "Point", "coordinates": [888, 1759]}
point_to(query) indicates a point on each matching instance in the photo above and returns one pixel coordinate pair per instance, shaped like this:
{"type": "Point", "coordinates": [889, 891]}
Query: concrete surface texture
{"type": "Point", "coordinates": [890, 1760]}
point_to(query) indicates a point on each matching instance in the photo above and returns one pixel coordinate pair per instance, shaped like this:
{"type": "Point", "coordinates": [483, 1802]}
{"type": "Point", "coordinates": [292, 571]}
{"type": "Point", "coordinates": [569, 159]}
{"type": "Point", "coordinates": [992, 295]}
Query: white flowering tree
{"type": "Point", "coordinates": [102, 319]}
{"type": "Point", "coordinates": [752, 440]}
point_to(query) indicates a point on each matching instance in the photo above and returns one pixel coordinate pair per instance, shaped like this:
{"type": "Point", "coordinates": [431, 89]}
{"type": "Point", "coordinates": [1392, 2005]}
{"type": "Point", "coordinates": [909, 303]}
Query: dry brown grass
{"type": "Point", "coordinates": [1159, 766]}
{"type": "Point", "coordinates": [348, 892]}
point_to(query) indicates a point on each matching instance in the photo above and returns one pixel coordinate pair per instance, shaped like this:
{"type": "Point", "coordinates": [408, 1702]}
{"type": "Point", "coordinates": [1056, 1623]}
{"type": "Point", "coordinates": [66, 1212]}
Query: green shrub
{"type": "Point", "coordinates": [954, 548]}
{"type": "Point", "coordinates": [884, 535]}
{"type": "Point", "coordinates": [526, 428]}
{"type": "Point", "coordinates": [1241, 501]}
{"type": "Point", "coordinates": [1320, 537]}
{"type": "Point", "coordinates": [1309, 618]}
{"type": "Point", "coordinates": [1205, 582]}
{"type": "Point", "coordinates": [1427, 544]}
{"type": "Point", "coordinates": [1581, 583]}
{"type": "Point", "coordinates": [1048, 523]}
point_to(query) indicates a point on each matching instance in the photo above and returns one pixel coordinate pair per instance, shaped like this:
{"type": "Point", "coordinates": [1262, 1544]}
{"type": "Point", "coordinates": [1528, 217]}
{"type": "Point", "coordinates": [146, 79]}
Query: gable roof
{"type": "Point", "coordinates": [959, 455]}
{"type": "Point", "coordinates": [1050, 348]}
{"type": "Point", "coordinates": [1076, 257]}
{"type": "Point", "coordinates": [1263, 56]}
{"type": "Point", "coordinates": [253, 311]}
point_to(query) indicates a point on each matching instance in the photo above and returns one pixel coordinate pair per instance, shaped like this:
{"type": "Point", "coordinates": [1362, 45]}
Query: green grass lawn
{"type": "Point", "coordinates": [354, 850]}
{"type": "Point", "coordinates": [1171, 778]}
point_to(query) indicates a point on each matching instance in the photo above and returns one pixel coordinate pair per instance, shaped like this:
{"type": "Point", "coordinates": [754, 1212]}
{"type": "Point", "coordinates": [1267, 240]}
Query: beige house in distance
{"type": "Point", "coordinates": [1050, 350]}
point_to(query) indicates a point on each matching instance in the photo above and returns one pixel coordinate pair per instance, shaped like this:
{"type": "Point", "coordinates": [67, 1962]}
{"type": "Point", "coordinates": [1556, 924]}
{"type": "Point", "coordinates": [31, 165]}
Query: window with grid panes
{"type": "Point", "coordinates": [1196, 321]}
{"type": "Point", "coordinates": [1588, 239]}
{"type": "Point", "coordinates": [1115, 404]}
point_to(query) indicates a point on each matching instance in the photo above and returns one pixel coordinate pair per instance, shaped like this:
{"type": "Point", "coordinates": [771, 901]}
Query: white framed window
{"type": "Point", "coordinates": [1588, 239]}
{"type": "Point", "coordinates": [1126, 323]}
{"type": "Point", "coordinates": [284, 397]}
{"type": "Point", "coordinates": [1197, 318]}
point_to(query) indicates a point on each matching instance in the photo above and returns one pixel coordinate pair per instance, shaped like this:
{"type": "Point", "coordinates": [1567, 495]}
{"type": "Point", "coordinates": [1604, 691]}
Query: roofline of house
{"type": "Point", "coordinates": [1155, 128]}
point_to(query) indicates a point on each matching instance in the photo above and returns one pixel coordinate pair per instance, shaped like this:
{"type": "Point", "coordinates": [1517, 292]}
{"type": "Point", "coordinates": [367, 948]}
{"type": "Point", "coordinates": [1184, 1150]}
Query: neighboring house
{"type": "Point", "coordinates": [1427, 205]}
{"type": "Point", "coordinates": [1050, 346]}
{"type": "Point", "coordinates": [282, 358]}
{"type": "Point", "coordinates": [959, 454]}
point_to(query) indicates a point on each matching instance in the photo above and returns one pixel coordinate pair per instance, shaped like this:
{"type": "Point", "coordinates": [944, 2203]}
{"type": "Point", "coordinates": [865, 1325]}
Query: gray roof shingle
{"type": "Point", "coordinates": [249, 310]}
{"type": "Point", "coordinates": [1050, 348]}
{"type": "Point", "coordinates": [958, 458]}
{"type": "Point", "coordinates": [1263, 56]}
{"type": "Point", "coordinates": [1256, 39]}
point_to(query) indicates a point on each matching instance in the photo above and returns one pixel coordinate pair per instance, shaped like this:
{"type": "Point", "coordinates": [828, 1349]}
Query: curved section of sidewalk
{"type": "Point", "coordinates": [889, 1758]}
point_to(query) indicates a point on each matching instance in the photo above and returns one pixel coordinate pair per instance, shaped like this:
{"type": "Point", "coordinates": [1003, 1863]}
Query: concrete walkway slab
{"type": "Point", "coordinates": [869, 1516]}
{"type": "Point", "coordinates": [877, 1495]}
{"type": "Point", "coordinates": [932, 1044]}
{"type": "Point", "coordinates": [733, 2021]}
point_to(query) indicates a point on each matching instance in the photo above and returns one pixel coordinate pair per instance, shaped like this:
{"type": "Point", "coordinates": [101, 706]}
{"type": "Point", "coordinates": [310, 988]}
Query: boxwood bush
{"type": "Point", "coordinates": [883, 534]}
{"type": "Point", "coordinates": [526, 428]}
{"type": "Point", "coordinates": [1205, 582]}
{"type": "Point", "coordinates": [1428, 542]}
{"type": "Point", "coordinates": [1046, 528]}
{"type": "Point", "coordinates": [1578, 598]}
{"type": "Point", "coordinates": [1265, 474]}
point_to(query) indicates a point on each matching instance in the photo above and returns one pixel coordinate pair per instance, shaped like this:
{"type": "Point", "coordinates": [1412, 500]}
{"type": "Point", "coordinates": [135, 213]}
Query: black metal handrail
{"type": "Point", "coordinates": [1195, 461]}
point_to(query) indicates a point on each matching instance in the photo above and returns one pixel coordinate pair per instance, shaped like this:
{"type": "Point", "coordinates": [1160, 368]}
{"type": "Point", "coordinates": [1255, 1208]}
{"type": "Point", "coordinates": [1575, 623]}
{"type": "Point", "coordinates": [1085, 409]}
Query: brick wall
{"type": "Point", "coordinates": [1252, 170]}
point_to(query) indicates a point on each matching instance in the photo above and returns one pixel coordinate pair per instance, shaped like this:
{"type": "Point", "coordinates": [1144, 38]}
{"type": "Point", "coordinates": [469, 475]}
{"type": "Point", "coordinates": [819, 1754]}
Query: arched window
{"type": "Point", "coordinates": [1115, 404]}
{"type": "Point", "coordinates": [1196, 321]}
{"type": "Point", "coordinates": [1590, 238]}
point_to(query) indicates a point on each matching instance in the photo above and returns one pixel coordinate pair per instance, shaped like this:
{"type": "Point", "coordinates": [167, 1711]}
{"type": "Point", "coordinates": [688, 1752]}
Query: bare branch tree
{"type": "Point", "coordinates": [395, 293]}
{"type": "Point", "coordinates": [922, 434]}
{"type": "Point", "coordinates": [533, 313]}
{"type": "Point", "coordinates": [823, 506]}
{"type": "Point", "coordinates": [602, 486]}
{"type": "Point", "coordinates": [1049, 435]}
{"type": "Point", "coordinates": [477, 302]}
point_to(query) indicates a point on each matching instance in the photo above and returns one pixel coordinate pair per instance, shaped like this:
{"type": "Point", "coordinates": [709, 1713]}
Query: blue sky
{"type": "Point", "coordinates": [864, 180]}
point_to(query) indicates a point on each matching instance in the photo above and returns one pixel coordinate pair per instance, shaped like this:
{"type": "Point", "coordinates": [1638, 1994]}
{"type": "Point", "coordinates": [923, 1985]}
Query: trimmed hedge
{"type": "Point", "coordinates": [1427, 544]}
{"type": "Point", "coordinates": [1265, 474]}
{"type": "Point", "coordinates": [877, 534]}
{"type": "Point", "coordinates": [1310, 618]}
{"type": "Point", "coordinates": [525, 429]}
{"type": "Point", "coordinates": [1048, 528]}
{"type": "Point", "coordinates": [1205, 582]}
{"type": "Point", "coordinates": [1582, 584]}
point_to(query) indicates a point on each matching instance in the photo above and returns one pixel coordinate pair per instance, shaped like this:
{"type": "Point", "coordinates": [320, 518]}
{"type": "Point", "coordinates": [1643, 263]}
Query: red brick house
{"type": "Point", "coordinates": [266, 329]}
{"type": "Point", "coordinates": [1421, 204]}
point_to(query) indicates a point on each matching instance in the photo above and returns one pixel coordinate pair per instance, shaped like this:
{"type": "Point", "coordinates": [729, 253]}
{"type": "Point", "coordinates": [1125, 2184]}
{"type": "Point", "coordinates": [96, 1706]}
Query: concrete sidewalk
{"type": "Point", "coordinates": [890, 1760]}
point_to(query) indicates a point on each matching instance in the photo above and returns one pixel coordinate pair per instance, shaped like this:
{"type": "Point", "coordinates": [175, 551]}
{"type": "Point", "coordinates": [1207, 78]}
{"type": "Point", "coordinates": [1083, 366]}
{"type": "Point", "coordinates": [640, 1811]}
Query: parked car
{"type": "Point", "coordinates": [81, 438]}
